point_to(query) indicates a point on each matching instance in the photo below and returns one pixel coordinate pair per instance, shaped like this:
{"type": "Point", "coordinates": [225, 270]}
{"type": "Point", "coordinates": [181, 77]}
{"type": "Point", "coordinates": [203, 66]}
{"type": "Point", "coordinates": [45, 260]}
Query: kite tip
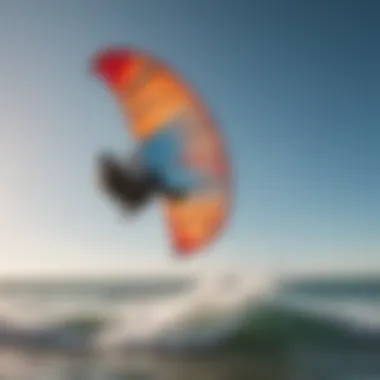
{"type": "Point", "coordinates": [111, 64]}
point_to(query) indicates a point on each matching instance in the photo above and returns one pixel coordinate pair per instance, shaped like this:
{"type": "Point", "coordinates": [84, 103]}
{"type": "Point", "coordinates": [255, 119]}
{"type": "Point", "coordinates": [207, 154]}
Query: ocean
{"type": "Point", "coordinates": [187, 328]}
{"type": "Point", "coordinates": [17, 365]}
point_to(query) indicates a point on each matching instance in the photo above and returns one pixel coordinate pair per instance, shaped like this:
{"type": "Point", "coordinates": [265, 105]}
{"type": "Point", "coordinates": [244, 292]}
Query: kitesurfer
{"type": "Point", "coordinates": [156, 169]}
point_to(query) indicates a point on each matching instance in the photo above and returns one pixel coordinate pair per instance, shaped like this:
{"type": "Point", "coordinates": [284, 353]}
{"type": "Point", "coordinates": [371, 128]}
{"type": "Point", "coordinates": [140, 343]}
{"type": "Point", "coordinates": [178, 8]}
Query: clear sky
{"type": "Point", "coordinates": [294, 84]}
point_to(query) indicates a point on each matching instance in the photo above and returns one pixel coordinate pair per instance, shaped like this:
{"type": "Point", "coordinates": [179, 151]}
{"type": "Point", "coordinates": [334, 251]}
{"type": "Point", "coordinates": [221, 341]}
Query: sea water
{"type": "Point", "coordinates": [298, 363]}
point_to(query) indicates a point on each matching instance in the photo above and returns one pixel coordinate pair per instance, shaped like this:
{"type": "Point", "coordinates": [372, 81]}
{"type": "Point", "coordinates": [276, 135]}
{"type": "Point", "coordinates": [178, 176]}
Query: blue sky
{"type": "Point", "coordinates": [295, 87]}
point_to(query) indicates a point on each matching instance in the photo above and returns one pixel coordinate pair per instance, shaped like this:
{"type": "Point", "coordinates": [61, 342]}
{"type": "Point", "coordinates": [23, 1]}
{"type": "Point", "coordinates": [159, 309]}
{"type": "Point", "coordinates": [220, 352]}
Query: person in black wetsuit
{"type": "Point", "coordinates": [130, 187]}
{"type": "Point", "coordinates": [156, 169]}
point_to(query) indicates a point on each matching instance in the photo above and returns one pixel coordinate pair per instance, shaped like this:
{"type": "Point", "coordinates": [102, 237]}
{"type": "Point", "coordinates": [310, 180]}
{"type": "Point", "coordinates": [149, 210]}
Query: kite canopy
{"type": "Point", "coordinates": [151, 97]}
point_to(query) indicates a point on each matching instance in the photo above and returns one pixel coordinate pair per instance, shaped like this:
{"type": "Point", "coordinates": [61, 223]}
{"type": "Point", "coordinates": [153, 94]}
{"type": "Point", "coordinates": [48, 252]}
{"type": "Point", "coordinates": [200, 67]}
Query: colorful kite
{"type": "Point", "coordinates": [180, 149]}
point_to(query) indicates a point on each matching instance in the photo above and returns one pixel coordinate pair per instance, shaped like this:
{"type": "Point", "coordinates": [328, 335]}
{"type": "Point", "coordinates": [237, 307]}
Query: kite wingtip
{"type": "Point", "coordinates": [185, 248]}
{"type": "Point", "coordinates": [111, 64]}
